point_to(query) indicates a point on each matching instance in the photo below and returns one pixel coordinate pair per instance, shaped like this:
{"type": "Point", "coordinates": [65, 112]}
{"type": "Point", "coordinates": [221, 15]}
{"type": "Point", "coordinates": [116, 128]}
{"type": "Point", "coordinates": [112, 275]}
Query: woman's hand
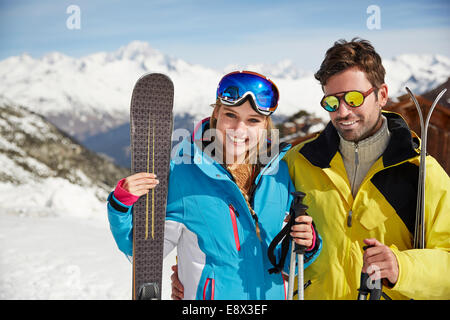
{"type": "Point", "coordinates": [140, 183]}
{"type": "Point", "coordinates": [302, 232]}
{"type": "Point", "coordinates": [177, 287]}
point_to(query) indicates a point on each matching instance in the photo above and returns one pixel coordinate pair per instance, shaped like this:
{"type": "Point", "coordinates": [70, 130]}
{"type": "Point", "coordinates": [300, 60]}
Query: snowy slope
{"type": "Point", "coordinates": [92, 93]}
{"type": "Point", "coordinates": [64, 258]}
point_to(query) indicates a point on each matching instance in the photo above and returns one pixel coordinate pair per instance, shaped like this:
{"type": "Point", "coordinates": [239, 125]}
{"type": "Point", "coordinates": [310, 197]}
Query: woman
{"type": "Point", "coordinates": [227, 198]}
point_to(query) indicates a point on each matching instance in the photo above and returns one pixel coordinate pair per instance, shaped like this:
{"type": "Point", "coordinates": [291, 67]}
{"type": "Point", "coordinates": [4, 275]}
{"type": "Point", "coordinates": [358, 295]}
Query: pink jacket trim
{"type": "Point", "coordinates": [123, 195]}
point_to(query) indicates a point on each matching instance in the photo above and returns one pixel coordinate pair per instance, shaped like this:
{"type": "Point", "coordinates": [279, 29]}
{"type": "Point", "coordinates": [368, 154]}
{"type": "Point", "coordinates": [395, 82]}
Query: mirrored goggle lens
{"type": "Point", "coordinates": [235, 86]}
{"type": "Point", "coordinates": [354, 98]}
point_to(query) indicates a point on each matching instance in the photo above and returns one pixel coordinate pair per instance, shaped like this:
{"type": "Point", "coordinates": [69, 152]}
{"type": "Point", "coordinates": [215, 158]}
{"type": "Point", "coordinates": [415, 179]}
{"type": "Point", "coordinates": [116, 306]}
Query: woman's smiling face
{"type": "Point", "coordinates": [239, 130]}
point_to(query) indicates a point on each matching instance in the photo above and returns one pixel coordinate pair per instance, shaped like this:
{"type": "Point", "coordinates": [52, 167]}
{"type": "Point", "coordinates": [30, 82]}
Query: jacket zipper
{"type": "Point", "coordinates": [284, 286]}
{"type": "Point", "coordinates": [349, 217]}
{"type": "Point", "coordinates": [356, 166]}
{"type": "Point", "coordinates": [233, 215]}
{"type": "Point", "coordinates": [211, 297]}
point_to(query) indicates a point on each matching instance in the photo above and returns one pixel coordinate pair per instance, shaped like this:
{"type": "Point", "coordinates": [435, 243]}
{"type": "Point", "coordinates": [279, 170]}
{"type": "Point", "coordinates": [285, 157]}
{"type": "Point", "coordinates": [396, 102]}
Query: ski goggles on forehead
{"type": "Point", "coordinates": [352, 98]}
{"type": "Point", "coordinates": [237, 86]}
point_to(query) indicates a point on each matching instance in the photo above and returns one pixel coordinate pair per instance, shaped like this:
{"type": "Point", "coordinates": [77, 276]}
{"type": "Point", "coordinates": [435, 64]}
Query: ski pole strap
{"type": "Point", "coordinates": [283, 237]}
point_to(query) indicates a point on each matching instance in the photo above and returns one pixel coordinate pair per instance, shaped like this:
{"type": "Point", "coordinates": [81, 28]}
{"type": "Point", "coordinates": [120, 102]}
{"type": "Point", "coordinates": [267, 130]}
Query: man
{"type": "Point", "coordinates": [360, 175]}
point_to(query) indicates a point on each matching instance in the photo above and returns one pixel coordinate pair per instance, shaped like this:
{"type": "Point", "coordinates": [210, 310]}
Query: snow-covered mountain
{"type": "Point", "coordinates": [91, 94]}
{"type": "Point", "coordinates": [421, 73]}
{"type": "Point", "coordinates": [43, 170]}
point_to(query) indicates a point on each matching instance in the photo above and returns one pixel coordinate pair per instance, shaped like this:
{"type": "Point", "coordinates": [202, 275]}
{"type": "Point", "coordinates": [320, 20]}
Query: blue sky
{"type": "Point", "coordinates": [218, 33]}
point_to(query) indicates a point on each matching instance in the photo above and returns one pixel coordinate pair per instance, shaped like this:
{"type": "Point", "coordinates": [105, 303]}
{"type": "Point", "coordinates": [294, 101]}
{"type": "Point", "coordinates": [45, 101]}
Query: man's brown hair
{"type": "Point", "coordinates": [357, 53]}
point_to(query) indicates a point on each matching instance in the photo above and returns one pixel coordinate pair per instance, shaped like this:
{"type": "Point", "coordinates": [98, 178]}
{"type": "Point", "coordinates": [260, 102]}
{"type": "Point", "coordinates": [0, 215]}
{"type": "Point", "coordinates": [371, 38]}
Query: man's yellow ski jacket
{"type": "Point", "coordinates": [384, 208]}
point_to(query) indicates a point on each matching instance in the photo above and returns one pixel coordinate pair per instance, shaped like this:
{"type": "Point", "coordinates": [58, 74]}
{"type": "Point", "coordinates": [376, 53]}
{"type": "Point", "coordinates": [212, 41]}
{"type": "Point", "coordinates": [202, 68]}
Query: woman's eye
{"type": "Point", "coordinates": [254, 120]}
{"type": "Point", "coordinates": [230, 115]}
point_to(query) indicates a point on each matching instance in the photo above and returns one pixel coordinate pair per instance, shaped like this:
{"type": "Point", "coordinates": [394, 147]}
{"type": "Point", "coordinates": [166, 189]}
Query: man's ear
{"type": "Point", "coordinates": [382, 95]}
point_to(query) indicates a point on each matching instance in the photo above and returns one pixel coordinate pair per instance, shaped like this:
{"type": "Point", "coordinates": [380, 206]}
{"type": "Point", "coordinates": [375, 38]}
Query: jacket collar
{"type": "Point", "coordinates": [401, 146]}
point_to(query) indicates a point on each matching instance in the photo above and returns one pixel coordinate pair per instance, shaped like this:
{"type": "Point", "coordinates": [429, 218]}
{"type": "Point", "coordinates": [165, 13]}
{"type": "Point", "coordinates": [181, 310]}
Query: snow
{"type": "Point", "coordinates": [32, 125]}
{"type": "Point", "coordinates": [101, 83]}
{"type": "Point", "coordinates": [420, 73]}
{"type": "Point", "coordinates": [51, 258]}
{"type": "Point", "coordinates": [56, 244]}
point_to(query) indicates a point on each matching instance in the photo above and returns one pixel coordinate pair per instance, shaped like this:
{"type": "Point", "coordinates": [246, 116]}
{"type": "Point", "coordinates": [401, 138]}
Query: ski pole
{"type": "Point", "coordinates": [419, 231]}
{"type": "Point", "coordinates": [368, 287]}
{"type": "Point", "coordinates": [297, 251]}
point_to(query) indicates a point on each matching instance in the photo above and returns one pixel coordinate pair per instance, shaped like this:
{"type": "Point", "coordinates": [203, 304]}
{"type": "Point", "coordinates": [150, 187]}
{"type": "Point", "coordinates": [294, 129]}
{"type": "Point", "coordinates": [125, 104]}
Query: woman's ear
{"type": "Point", "coordinates": [215, 113]}
{"type": "Point", "coordinates": [216, 109]}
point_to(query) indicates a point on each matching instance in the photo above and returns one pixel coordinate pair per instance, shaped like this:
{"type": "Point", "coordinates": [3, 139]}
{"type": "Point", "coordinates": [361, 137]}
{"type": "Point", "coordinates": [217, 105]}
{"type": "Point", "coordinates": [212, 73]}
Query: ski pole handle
{"type": "Point", "coordinates": [370, 287]}
{"type": "Point", "coordinates": [298, 209]}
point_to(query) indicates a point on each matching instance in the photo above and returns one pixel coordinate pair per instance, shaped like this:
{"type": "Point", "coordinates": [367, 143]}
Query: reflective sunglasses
{"type": "Point", "coordinates": [352, 98]}
{"type": "Point", "coordinates": [236, 86]}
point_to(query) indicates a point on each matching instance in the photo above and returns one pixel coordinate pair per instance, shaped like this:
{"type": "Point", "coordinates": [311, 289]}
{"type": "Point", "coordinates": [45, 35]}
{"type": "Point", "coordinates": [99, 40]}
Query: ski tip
{"type": "Point", "coordinates": [439, 96]}
{"type": "Point", "coordinates": [155, 75]}
{"type": "Point", "coordinates": [409, 91]}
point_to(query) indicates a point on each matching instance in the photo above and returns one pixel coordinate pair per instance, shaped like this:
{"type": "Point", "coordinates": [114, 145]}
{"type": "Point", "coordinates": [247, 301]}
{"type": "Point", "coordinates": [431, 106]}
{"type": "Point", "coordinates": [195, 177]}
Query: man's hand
{"type": "Point", "coordinates": [380, 262]}
{"type": "Point", "coordinates": [177, 287]}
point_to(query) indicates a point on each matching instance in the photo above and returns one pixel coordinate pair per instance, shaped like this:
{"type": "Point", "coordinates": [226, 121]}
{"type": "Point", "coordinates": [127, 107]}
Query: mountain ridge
{"type": "Point", "coordinates": [33, 150]}
{"type": "Point", "coordinates": [91, 94]}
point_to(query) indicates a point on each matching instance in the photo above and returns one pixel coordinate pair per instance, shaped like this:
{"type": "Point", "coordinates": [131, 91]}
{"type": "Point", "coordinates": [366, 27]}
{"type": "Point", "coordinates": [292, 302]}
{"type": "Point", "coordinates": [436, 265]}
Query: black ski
{"type": "Point", "coordinates": [151, 124]}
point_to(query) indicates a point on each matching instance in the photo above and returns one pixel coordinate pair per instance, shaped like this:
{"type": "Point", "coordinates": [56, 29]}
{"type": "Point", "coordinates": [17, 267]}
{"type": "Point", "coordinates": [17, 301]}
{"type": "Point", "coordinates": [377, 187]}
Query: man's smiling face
{"type": "Point", "coordinates": [356, 124]}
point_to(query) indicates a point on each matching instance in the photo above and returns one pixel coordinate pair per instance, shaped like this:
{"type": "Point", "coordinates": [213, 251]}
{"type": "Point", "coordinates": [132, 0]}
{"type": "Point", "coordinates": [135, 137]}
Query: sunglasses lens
{"type": "Point", "coordinates": [330, 103]}
{"type": "Point", "coordinates": [235, 86]}
{"type": "Point", "coordinates": [354, 98]}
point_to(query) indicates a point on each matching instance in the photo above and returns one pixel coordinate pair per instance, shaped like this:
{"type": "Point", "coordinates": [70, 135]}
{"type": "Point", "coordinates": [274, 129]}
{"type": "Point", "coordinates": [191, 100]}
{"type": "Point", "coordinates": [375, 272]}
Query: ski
{"type": "Point", "coordinates": [151, 124]}
{"type": "Point", "coordinates": [419, 231]}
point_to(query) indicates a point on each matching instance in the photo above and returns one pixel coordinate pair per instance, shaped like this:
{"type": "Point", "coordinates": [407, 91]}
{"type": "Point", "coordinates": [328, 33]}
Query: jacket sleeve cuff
{"type": "Point", "coordinates": [403, 278]}
{"type": "Point", "coordinates": [116, 204]}
{"type": "Point", "coordinates": [312, 253]}
{"type": "Point", "coordinates": [123, 195]}
{"type": "Point", "coordinates": [313, 240]}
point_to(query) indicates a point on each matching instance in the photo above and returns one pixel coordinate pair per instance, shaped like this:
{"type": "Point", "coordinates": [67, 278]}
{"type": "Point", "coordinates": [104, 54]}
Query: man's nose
{"type": "Point", "coordinates": [343, 110]}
